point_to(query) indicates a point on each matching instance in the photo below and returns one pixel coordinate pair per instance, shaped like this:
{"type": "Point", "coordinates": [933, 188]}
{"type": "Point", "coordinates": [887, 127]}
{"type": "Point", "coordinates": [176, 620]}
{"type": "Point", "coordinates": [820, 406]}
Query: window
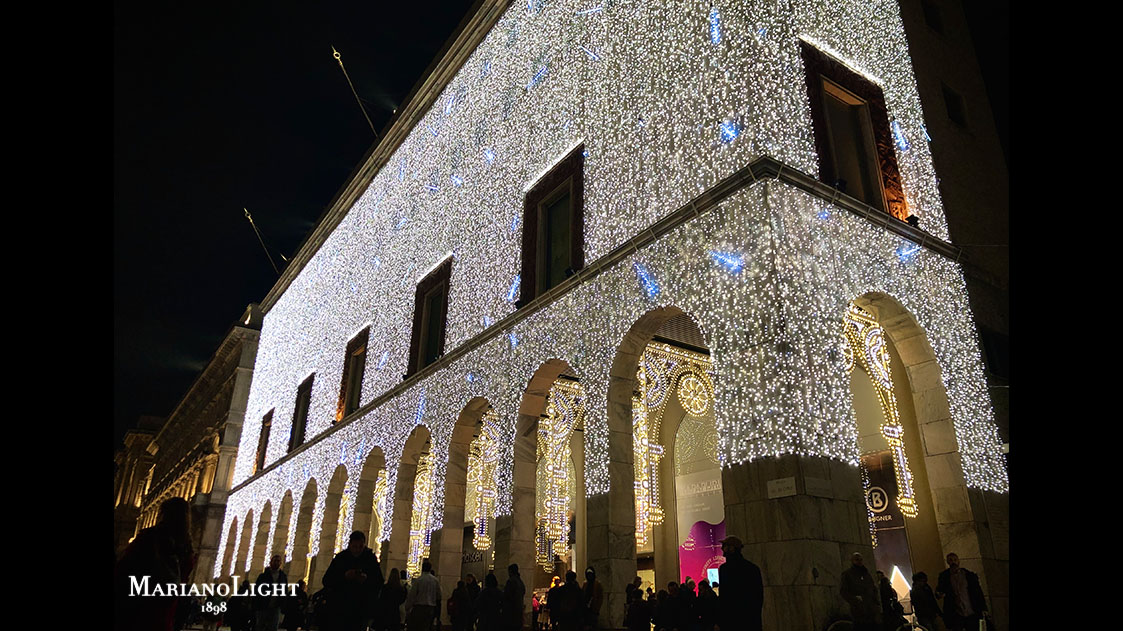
{"type": "Point", "coordinates": [852, 133]}
{"type": "Point", "coordinates": [263, 442]}
{"type": "Point", "coordinates": [957, 109]}
{"type": "Point", "coordinates": [932, 16]}
{"type": "Point", "coordinates": [300, 414]}
{"type": "Point", "coordinates": [430, 309]}
{"type": "Point", "coordinates": [354, 366]}
{"type": "Point", "coordinates": [553, 227]}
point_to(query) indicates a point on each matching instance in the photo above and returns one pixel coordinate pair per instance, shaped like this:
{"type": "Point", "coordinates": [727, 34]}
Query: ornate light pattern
{"type": "Point", "coordinates": [381, 510]}
{"type": "Point", "coordinates": [867, 342]}
{"type": "Point", "coordinates": [483, 457]}
{"type": "Point", "coordinates": [649, 106]}
{"type": "Point", "coordinates": [421, 519]}
{"type": "Point", "coordinates": [660, 367]}
{"type": "Point", "coordinates": [341, 534]}
{"type": "Point", "coordinates": [565, 413]}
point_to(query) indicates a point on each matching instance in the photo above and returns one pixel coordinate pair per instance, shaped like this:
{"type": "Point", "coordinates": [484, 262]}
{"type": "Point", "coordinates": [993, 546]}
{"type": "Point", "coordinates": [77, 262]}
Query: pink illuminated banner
{"type": "Point", "coordinates": [701, 552]}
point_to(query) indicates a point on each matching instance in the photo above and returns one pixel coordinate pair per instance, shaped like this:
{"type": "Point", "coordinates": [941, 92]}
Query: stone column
{"type": "Point", "coordinates": [800, 530]}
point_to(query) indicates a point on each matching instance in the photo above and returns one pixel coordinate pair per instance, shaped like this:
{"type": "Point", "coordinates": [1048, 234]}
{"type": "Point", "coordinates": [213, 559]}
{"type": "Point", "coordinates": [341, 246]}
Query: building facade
{"type": "Point", "coordinates": [621, 279]}
{"type": "Point", "coordinates": [192, 456]}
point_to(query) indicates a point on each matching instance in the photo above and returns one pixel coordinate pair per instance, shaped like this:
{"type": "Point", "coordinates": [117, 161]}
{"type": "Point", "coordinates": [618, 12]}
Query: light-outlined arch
{"type": "Point", "coordinates": [417, 445]}
{"type": "Point", "coordinates": [244, 545]}
{"type": "Point", "coordinates": [448, 544]}
{"type": "Point", "coordinates": [281, 530]}
{"type": "Point", "coordinates": [678, 339]}
{"type": "Point", "coordinates": [948, 512]}
{"type": "Point", "coordinates": [335, 519]}
{"type": "Point", "coordinates": [228, 552]}
{"type": "Point", "coordinates": [259, 558]}
{"type": "Point", "coordinates": [302, 535]}
{"type": "Point", "coordinates": [373, 479]}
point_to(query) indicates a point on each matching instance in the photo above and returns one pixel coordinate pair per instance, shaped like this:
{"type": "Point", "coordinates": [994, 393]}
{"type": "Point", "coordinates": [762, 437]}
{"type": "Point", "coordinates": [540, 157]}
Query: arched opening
{"type": "Point", "coordinates": [900, 503]}
{"type": "Point", "coordinates": [302, 537]}
{"type": "Point", "coordinates": [465, 544]}
{"type": "Point", "coordinates": [411, 534]}
{"type": "Point", "coordinates": [334, 529]}
{"type": "Point", "coordinates": [228, 553]}
{"type": "Point", "coordinates": [549, 516]}
{"type": "Point", "coordinates": [259, 560]}
{"type": "Point", "coordinates": [679, 502]}
{"type": "Point", "coordinates": [244, 545]}
{"type": "Point", "coordinates": [281, 531]}
{"type": "Point", "coordinates": [372, 508]}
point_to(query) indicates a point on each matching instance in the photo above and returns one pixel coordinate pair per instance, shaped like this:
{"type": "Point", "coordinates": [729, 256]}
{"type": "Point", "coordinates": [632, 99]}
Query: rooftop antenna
{"type": "Point", "coordinates": [339, 58]}
{"type": "Point", "coordinates": [262, 241]}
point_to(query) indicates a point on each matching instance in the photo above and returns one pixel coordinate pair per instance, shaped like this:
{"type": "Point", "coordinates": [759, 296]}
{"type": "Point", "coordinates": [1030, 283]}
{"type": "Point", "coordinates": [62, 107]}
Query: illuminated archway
{"type": "Point", "coordinates": [410, 536]}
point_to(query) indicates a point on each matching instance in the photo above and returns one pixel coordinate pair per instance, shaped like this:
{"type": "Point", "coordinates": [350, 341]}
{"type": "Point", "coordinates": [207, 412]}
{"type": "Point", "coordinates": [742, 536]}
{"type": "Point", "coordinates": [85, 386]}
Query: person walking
{"type": "Point", "coordinates": [964, 604]}
{"type": "Point", "coordinates": [638, 611]}
{"type": "Point", "coordinates": [355, 580]}
{"type": "Point", "coordinates": [424, 599]}
{"type": "Point", "coordinates": [892, 613]}
{"type": "Point", "coordinates": [860, 592]}
{"type": "Point", "coordinates": [489, 605]}
{"type": "Point", "coordinates": [267, 609]}
{"type": "Point", "coordinates": [513, 593]}
{"type": "Point", "coordinates": [461, 609]}
{"type": "Point", "coordinates": [568, 604]}
{"type": "Point", "coordinates": [742, 589]}
{"type": "Point", "coordinates": [164, 554]}
{"type": "Point", "coordinates": [923, 601]}
{"type": "Point", "coordinates": [388, 615]}
{"type": "Point", "coordinates": [592, 598]}
{"type": "Point", "coordinates": [707, 606]}
{"type": "Point", "coordinates": [295, 608]}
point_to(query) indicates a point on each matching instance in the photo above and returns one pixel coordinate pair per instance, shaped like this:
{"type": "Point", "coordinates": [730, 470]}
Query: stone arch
{"type": "Point", "coordinates": [260, 558]}
{"type": "Point", "coordinates": [418, 441]}
{"type": "Point", "coordinates": [281, 530]}
{"type": "Point", "coordinates": [302, 536]}
{"type": "Point", "coordinates": [519, 545]}
{"type": "Point", "coordinates": [244, 544]}
{"type": "Point", "coordinates": [333, 521]}
{"type": "Point", "coordinates": [228, 552]}
{"type": "Point", "coordinates": [958, 519]}
{"type": "Point", "coordinates": [681, 330]}
{"type": "Point", "coordinates": [366, 518]}
{"type": "Point", "coordinates": [448, 544]}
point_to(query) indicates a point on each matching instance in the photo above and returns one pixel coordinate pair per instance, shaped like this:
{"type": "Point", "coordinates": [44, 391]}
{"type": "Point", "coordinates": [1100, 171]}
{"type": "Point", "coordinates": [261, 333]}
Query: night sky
{"type": "Point", "coordinates": [217, 108]}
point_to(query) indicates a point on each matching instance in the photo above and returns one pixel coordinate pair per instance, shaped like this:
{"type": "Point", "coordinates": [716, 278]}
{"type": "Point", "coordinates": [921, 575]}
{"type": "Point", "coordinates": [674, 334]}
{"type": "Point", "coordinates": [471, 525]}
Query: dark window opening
{"type": "Point", "coordinates": [852, 133]}
{"type": "Point", "coordinates": [263, 442]}
{"type": "Point", "coordinates": [354, 367]}
{"type": "Point", "coordinates": [553, 227]}
{"type": "Point", "coordinates": [957, 109]}
{"type": "Point", "coordinates": [430, 314]}
{"type": "Point", "coordinates": [932, 16]}
{"type": "Point", "coordinates": [300, 413]}
{"type": "Point", "coordinates": [996, 352]}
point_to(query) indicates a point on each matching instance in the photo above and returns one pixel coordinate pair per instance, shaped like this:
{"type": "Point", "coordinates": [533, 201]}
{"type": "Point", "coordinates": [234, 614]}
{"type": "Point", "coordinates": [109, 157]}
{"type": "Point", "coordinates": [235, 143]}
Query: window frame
{"type": "Point", "coordinates": [351, 385]}
{"type": "Point", "coordinates": [819, 66]}
{"type": "Point", "coordinates": [300, 420]}
{"type": "Point", "coordinates": [263, 441]}
{"type": "Point", "coordinates": [440, 279]}
{"type": "Point", "coordinates": [567, 174]}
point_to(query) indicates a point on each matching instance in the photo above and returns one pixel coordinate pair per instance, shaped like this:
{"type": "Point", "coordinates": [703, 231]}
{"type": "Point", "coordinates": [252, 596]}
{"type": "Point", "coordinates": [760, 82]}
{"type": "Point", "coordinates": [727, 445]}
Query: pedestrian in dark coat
{"type": "Point", "coordinates": [388, 612]}
{"type": "Point", "coordinates": [924, 603]}
{"type": "Point", "coordinates": [859, 590]}
{"type": "Point", "coordinates": [567, 604]}
{"type": "Point", "coordinates": [592, 597]}
{"type": "Point", "coordinates": [267, 609]}
{"type": "Point", "coordinates": [295, 609]}
{"type": "Point", "coordinates": [964, 604]}
{"type": "Point", "coordinates": [489, 606]}
{"type": "Point", "coordinates": [355, 579]}
{"type": "Point", "coordinates": [892, 613]}
{"type": "Point", "coordinates": [513, 593]}
{"type": "Point", "coordinates": [638, 617]}
{"type": "Point", "coordinates": [461, 610]}
{"type": "Point", "coordinates": [663, 614]}
{"type": "Point", "coordinates": [742, 589]}
{"type": "Point", "coordinates": [707, 606]}
{"type": "Point", "coordinates": [164, 554]}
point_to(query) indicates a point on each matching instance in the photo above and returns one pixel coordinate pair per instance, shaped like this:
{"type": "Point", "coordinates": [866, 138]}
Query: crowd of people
{"type": "Point", "coordinates": [355, 596]}
{"type": "Point", "coordinates": [874, 605]}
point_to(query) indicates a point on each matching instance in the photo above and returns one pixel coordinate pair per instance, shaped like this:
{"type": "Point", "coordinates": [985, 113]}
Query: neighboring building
{"type": "Point", "coordinates": [622, 278]}
{"type": "Point", "coordinates": [132, 476]}
{"type": "Point", "coordinates": [193, 454]}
